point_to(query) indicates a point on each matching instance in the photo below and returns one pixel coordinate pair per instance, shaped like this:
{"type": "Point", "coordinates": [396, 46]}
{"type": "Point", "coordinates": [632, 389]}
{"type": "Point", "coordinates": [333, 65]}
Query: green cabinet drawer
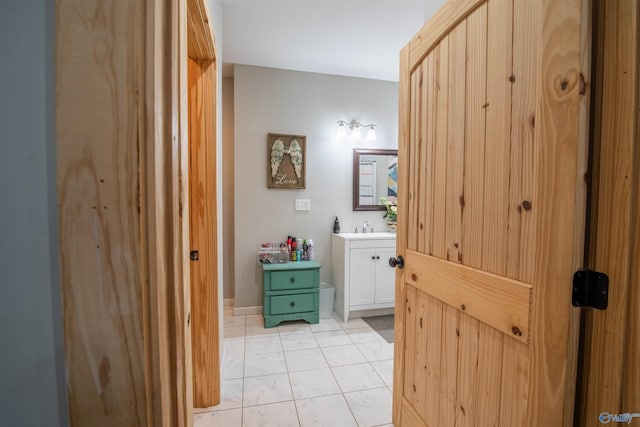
{"type": "Point", "coordinates": [285, 304]}
{"type": "Point", "coordinates": [292, 279]}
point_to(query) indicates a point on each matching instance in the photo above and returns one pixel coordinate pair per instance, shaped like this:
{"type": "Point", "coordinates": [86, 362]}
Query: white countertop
{"type": "Point", "coordinates": [366, 236]}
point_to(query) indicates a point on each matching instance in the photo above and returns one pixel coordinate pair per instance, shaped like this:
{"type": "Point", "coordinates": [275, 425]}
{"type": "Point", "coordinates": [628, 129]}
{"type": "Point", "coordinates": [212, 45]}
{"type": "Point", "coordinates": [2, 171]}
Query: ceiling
{"type": "Point", "coordinates": [358, 38]}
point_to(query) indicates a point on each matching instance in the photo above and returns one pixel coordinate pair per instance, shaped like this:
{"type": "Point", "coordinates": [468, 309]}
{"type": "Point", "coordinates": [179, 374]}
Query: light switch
{"type": "Point", "coordinates": [303, 204]}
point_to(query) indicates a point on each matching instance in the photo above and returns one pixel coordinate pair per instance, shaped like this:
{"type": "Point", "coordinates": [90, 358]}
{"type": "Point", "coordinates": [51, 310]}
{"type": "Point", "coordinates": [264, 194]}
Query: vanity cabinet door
{"type": "Point", "coordinates": [361, 277]}
{"type": "Point", "coordinates": [385, 279]}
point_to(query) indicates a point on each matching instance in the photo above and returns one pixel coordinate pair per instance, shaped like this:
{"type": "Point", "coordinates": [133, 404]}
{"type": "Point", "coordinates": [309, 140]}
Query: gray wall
{"type": "Point", "coordinates": [278, 101]}
{"type": "Point", "coordinates": [32, 389]}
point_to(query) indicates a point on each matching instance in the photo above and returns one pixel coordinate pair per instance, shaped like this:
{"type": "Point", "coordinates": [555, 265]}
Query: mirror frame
{"type": "Point", "coordinates": [357, 152]}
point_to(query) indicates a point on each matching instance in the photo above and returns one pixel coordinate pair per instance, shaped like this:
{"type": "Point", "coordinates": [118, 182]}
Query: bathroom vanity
{"type": "Point", "coordinates": [362, 276]}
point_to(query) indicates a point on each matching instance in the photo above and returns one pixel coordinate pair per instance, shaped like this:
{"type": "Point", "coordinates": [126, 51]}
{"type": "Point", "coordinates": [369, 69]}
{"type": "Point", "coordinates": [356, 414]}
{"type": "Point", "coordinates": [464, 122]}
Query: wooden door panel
{"type": "Point", "coordinates": [485, 382]}
{"type": "Point", "coordinates": [498, 301]}
{"type": "Point", "coordinates": [487, 214]}
{"type": "Point", "coordinates": [475, 125]}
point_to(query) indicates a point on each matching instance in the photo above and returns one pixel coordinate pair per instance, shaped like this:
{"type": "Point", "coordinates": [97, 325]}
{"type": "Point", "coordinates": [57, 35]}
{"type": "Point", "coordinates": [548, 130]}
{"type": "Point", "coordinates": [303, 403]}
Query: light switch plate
{"type": "Point", "coordinates": [303, 204]}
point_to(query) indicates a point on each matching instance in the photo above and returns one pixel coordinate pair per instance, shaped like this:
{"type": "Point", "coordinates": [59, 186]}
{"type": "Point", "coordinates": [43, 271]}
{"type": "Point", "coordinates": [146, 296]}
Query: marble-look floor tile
{"type": "Point", "coordinates": [260, 331]}
{"type": "Point", "coordinates": [375, 351]}
{"type": "Point", "coordinates": [282, 414]}
{"type": "Point", "coordinates": [326, 325]}
{"type": "Point", "coordinates": [313, 383]}
{"type": "Point", "coordinates": [384, 368]}
{"type": "Point", "coordinates": [370, 407]}
{"type": "Point", "coordinates": [363, 335]}
{"type": "Point", "coordinates": [255, 320]}
{"type": "Point", "coordinates": [228, 418]}
{"type": "Point", "coordinates": [232, 366]}
{"type": "Point", "coordinates": [256, 364]}
{"type": "Point", "coordinates": [233, 331]}
{"type": "Point", "coordinates": [294, 327]}
{"type": "Point", "coordinates": [357, 377]}
{"type": "Point", "coordinates": [343, 355]}
{"type": "Point", "coordinates": [234, 321]}
{"type": "Point", "coordinates": [266, 389]}
{"type": "Point", "coordinates": [299, 341]}
{"type": "Point", "coordinates": [325, 411]}
{"type": "Point", "coordinates": [233, 346]}
{"type": "Point", "coordinates": [332, 338]}
{"type": "Point", "coordinates": [265, 344]}
{"type": "Point", "coordinates": [302, 360]}
{"type": "Point", "coordinates": [353, 324]}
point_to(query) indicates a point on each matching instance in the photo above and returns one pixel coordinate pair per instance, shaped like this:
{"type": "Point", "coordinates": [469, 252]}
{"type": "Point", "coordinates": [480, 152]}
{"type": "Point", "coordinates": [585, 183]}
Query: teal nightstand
{"type": "Point", "coordinates": [290, 292]}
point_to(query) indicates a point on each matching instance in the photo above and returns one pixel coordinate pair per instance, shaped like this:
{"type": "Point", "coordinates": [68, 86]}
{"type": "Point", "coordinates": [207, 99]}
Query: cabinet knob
{"type": "Point", "coordinates": [292, 304]}
{"type": "Point", "coordinates": [373, 257]}
{"type": "Point", "coordinates": [292, 280]}
{"type": "Point", "coordinates": [396, 262]}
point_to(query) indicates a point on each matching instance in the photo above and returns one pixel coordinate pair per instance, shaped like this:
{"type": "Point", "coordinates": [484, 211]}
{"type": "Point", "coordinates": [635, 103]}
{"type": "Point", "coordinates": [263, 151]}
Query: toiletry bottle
{"type": "Point", "coordinates": [293, 249]}
{"type": "Point", "coordinates": [309, 250]}
{"type": "Point", "coordinates": [305, 249]}
{"type": "Point", "coordinates": [336, 226]}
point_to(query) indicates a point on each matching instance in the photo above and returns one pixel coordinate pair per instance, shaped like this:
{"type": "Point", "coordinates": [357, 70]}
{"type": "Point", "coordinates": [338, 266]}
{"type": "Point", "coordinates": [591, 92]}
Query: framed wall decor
{"type": "Point", "coordinates": [286, 161]}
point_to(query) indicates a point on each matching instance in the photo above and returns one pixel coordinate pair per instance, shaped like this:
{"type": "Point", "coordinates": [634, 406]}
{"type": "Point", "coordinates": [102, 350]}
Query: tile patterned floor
{"type": "Point", "coordinates": [331, 374]}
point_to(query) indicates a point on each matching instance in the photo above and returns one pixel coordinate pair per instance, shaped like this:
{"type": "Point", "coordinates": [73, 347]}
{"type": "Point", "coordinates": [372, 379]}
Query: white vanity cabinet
{"type": "Point", "coordinates": [361, 272]}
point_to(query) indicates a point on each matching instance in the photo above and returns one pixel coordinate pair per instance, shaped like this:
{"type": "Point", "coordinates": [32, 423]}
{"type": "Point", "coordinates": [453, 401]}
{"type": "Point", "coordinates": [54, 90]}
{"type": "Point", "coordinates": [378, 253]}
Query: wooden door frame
{"type": "Point", "coordinates": [144, 92]}
{"type": "Point", "coordinates": [609, 375]}
{"type": "Point", "coordinates": [202, 84]}
{"type": "Point", "coordinates": [168, 305]}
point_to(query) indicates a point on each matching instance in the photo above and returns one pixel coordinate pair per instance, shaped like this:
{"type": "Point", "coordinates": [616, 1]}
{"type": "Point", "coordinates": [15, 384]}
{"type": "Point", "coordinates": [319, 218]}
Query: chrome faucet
{"type": "Point", "coordinates": [364, 226]}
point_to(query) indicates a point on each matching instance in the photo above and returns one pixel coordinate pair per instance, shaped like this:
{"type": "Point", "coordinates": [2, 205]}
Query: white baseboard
{"type": "Point", "coordinates": [229, 302]}
{"type": "Point", "coordinates": [239, 311]}
{"type": "Point", "coordinates": [370, 312]}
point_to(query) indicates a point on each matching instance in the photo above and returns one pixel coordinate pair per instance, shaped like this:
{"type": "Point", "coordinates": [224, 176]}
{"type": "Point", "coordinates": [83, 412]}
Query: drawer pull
{"type": "Point", "coordinates": [292, 304]}
{"type": "Point", "coordinates": [292, 279]}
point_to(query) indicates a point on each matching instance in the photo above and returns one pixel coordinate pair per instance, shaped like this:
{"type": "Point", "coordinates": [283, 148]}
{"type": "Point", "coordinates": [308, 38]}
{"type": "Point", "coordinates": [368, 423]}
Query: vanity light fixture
{"type": "Point", "coordinates": [356, 132]}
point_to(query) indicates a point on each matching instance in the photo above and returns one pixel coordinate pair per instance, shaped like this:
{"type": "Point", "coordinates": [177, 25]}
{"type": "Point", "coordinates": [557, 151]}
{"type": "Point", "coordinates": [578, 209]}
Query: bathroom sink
{"type": "Point", "coordinates": [367, 236]}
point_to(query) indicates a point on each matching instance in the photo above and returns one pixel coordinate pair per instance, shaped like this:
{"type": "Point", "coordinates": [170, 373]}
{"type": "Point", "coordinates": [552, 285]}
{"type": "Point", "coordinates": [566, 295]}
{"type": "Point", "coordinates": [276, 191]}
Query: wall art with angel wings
{"type": "Point", "coordinates": [286, 165]}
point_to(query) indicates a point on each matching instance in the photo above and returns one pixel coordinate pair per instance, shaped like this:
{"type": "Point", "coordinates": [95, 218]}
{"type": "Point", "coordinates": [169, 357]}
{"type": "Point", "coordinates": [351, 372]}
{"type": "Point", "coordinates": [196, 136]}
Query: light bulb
{"type": "Point", "coordinates": [342, 131]}
{"type": "Point", "coordinates": [356, 133]}
{"type": "Point", "coordinates": [371, 134]}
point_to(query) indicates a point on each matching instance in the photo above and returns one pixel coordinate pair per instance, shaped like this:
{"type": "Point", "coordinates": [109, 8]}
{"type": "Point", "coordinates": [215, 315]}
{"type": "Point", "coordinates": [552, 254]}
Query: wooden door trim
{"type": "Point", "coordinates": [202, 86]}
{"type": "Point", "coordinates": [495, 300]}
{"type": "Point", "coordinates": [201, 40]}
{"type": "Point", "coordinates": [611, 346]}
{"type": "Point", "coordinates": [203, 233]}
{"type": "Point", "coordinates": [447, 17]}
{"type": "Point", "coordinates": [410, 417]}
{"type": "Point", "coordinates": [404, 112]}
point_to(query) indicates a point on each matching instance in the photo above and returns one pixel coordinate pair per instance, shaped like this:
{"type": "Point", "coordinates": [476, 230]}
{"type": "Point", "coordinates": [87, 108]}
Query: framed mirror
{"type": "Point", "coordinates": [375, 175]}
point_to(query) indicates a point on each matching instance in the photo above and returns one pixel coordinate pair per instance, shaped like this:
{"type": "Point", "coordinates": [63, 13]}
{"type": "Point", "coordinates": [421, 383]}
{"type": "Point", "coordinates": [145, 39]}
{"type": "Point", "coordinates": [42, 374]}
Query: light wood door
{"type": "Point", "coordinates": [489, 229]}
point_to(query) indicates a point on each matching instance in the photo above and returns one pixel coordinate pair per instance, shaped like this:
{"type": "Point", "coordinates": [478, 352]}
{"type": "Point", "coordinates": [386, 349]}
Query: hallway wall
{"type": "Point", "coordinates": [32, 390]}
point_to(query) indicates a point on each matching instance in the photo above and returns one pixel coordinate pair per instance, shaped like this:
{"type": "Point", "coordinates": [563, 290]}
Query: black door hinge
{"type": "Point", "coordinates": [194, 255]}
{"type": "Point", "coordinates": [590, 289]}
